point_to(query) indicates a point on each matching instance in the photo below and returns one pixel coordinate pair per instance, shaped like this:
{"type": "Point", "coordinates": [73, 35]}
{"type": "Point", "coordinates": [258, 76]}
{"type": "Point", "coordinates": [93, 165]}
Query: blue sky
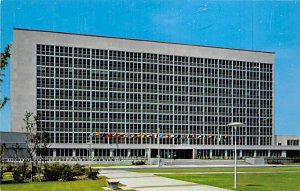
{"type": "Point", "coordinates": [257, 25]}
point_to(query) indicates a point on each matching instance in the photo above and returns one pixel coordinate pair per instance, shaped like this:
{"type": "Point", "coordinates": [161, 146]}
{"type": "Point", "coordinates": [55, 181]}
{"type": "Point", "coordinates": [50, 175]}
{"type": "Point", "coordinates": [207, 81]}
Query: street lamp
{"type": "Point", "coordinates": [235, 125]}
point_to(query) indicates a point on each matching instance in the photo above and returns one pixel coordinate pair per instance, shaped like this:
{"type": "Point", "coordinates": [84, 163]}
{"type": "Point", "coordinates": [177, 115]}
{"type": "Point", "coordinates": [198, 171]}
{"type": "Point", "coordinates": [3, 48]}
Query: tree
{"type": "Point", "coordinates": [16, 148]}
{"type": "Point", "coordinates": [4, 62]}
{"type": "Point", "coordinates": [2, 153]}
{"type": "Point", "coordinates": [36, 141]}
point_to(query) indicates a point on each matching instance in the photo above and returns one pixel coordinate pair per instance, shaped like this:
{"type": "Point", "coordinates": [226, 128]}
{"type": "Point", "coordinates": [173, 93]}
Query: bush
{"type": "Point", "coordinates": [92, 174]}
{"type": "Point", "coordinates": [56, 171]}
{"type": "Point", "coordinates": [66, 172]}
{"type": "Point", "coordinates": [139, 162]}
{"type": "Point", "coordinates": [52, 172]}
{"type": "Point", "coordinates": [78, 170]}
{"type": "Point", "coordinates": [10, 168]}
{"type": "Point", "coordinates": [21, 173]}
{"type": "Point", "coordinates": [1, 173]}
{"type": "Point", "coordinates": [274, 162]}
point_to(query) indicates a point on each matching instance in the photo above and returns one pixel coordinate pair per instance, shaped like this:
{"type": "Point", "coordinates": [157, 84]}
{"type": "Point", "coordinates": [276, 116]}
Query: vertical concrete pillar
{"type": "Point", "coordinates": [74, 152]}
{"type": "Point", "coordinates": [283, 153]}
{"type": "Point", "coordinates": [269, 153]}
{"type": "Point", "coordinates": [210, 153]}
{"type": "Point", "coordinates": [254, 155]}
{"type": "Point", "coordinates": [226, 154]}
{"type": "Point", "coordinates": [128, 152]}
{"type": "Point", "coordinates": [194, 153]}
{"type": "Point", "coordinates": [148, 154]}
{"type": "Point", "coordinates": [54, 152]}
{"type": "Point", "coordinates": [241, 153]}
{"type": "Point", "coordinates": [111, 152]}
{"type": "Point", "coordinates": [92, 152]}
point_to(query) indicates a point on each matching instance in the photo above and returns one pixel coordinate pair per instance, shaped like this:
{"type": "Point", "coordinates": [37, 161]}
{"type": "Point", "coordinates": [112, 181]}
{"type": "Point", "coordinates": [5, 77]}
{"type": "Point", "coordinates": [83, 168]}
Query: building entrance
{"type": "Point", "coordinates": [173, 153]}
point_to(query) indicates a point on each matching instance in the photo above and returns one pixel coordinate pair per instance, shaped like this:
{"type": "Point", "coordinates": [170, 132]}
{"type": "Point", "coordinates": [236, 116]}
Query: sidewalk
{"type": "Point", "coordinates": [150, 182]}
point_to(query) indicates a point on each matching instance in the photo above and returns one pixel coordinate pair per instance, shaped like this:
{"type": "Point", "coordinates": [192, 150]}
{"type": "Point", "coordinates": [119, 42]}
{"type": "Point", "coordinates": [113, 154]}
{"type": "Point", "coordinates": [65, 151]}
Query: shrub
{"type": "Point", "coordinates": [1, 173]}
{"type": "Point", "coordinates": [78, 170]}
{"type": "Point", "coordinates": [9, 168]}
{"type": "Point", "coordinates": [66, 172]}
{"type": "Point", "coordinates": [139, 162]}
{"type": "Point", "coordinates": [21, 173]}
{"type": "Point", "coordinates": [52, 172]}
{"type": "Point", "coordinates": [91, 174]}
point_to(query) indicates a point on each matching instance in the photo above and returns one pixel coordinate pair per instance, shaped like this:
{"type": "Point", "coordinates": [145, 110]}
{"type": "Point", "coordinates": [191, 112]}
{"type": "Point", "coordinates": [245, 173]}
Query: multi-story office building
{"type": "Point", "coordinates": [125, 95]}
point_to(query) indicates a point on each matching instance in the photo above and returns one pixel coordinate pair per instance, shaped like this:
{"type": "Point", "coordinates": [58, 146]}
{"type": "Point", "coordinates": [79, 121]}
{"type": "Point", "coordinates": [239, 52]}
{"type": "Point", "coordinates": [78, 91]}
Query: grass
{"type": "Point", "coordinates": [274, 178]}
{"type": "Point", "coordinates": [246, 182]}
{"type": "Point", "coordinates": [195, 170]}
{"type": "Point", "coordinates": [79, 185]}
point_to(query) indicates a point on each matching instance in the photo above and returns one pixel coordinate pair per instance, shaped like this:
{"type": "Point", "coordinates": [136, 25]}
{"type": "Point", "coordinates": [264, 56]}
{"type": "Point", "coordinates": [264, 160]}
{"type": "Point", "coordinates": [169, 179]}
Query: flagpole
{"type": "Point", "coordinates": [90, 150]}
{"type": "Point", "coordinates": [158, 142]}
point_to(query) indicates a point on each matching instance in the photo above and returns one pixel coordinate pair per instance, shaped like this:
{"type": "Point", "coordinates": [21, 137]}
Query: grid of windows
{"type": "Point", "coordinates": [293, 142]}
{"type": "Point", "coordinates": [83, 90]}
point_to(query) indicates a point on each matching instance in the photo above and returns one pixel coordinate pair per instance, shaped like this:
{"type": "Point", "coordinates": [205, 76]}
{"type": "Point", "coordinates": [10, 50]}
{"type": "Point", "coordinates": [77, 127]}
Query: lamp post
{"type": "Point", "coordinates": [90, 143]}
{"type": "Point", "coordinates": [235, 125]}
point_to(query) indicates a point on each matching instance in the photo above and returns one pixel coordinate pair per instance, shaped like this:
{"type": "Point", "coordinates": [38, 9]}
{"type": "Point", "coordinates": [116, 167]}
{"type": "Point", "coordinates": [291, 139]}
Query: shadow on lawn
{"type": "Point", "coordinates": [7, 182]}
{"type": "Point", "coordinates": [253, 185]}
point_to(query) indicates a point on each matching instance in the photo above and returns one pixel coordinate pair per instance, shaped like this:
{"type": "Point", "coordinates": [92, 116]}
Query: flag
{"type": "Point", "coordinates": [121, 135]}
{"type": "Point", "coordinates": [91, 135]}
{"type": "Point", "coordinates": [144, 135]}
{"type": "Point", "coordinates": [175, 136]}
{"type": "Point", "coordinates": [102, 135]}
{"type": "Point", "coordinates": [199, 136]}
{"type": "Point", "coordinates": [108, 135]}
{"type": "Point", "coordinates": [115, 135]}
{"type": "Point", "coordinates": [126, 135]}
{"type": "Point", "coordinates": [166, 136]}
{"type": "Point", "coordinates": [154, 136]}
{"type": "Point", "coordinates": [149, 135]}
{"type": "Point", "coordinates": [132, 136]}
{"type": "Point", "coordinates": [160, 136]}
{"type": "Point", "coordinates": [96, 134]}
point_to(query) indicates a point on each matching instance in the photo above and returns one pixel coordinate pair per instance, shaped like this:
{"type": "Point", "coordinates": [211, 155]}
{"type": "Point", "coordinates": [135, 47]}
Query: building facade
{"type": "Point", "coordinates": [125, 97]}
{"type": "Point", "coordinates": [13, 146]}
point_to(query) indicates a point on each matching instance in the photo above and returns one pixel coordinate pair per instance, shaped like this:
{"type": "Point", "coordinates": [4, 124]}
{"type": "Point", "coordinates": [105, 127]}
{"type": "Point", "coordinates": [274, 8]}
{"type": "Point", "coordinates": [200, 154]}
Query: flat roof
{"type": "Point", "coordinates": [142, 40]}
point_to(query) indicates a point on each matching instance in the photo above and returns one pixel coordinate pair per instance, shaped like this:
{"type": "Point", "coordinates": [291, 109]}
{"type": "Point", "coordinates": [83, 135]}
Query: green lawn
{"type": "Point", "coordinates": [80, 185]}
{"type": "Point", "coordinates": [246, 182]}
{"type": "Point", "coordinates": [192, 170]}
{"type": "Point", "coordinates": [106, 165]}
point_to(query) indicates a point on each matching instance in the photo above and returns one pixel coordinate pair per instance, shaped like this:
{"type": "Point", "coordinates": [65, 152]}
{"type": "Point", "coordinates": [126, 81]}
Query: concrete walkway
{"type": "Point", "coordinates": [150, 182]}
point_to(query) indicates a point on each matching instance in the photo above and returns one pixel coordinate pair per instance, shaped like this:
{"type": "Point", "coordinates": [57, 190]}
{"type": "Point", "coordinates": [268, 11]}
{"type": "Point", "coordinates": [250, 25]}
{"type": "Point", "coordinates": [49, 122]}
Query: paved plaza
{"type": "Point", "coordinates": [151, 182]}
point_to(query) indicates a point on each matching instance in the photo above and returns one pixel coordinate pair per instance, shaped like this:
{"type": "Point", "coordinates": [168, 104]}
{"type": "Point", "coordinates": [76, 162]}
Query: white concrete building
{"type": "Point", "coordinates": [123, 95]}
